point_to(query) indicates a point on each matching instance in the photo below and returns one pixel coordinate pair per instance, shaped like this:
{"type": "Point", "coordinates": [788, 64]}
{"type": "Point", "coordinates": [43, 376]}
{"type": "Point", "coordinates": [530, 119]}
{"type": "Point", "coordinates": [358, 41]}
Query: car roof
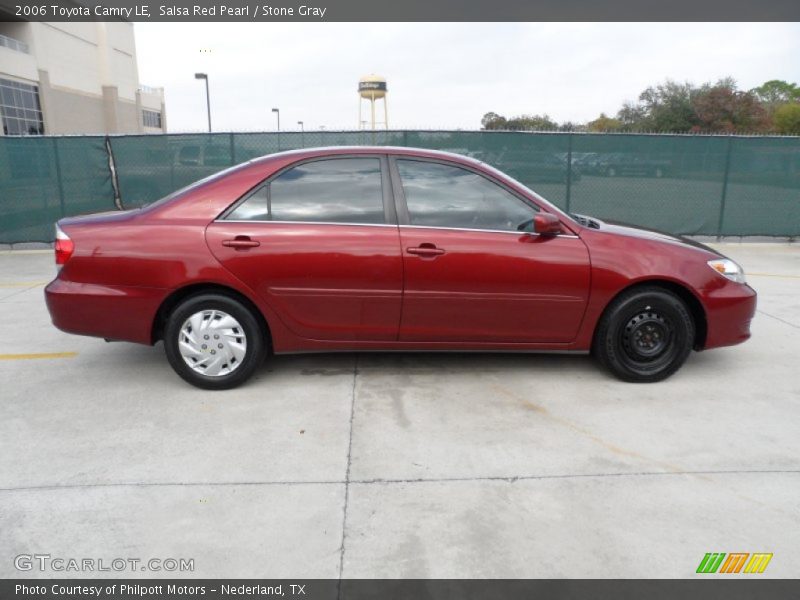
{"type": "Point", "coordinates": [302, 153]}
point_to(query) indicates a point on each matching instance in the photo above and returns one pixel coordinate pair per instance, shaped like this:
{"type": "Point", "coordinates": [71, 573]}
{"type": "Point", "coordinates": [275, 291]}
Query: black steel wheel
{"type": "Point", "coordinates": [645, 334]}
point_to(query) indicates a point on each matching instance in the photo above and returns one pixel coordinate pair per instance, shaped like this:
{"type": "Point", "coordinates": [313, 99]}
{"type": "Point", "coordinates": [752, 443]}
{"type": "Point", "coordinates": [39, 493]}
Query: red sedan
{"type": "Point", "coordinates": [386, 249]}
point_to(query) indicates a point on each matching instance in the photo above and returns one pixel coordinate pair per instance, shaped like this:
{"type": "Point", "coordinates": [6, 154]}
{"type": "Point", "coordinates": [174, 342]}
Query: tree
{"type": "Point", "coordinates": [532, 123]}
{"type": "Point", "coordinates": [632, 116]}
{"type": "Point", "coordinates": [570, 126]}
{"type": "Point", "coordinates": [668, 107]}
{"type": "Point", "coordinates": [664, 107]}
{"type": "Point", "coordinates": [786, 118]}
{"type": "Point", "coordinates": [492, 120]}
{"type": "Point", "coordinates": [604, 123]}
{"type": "Point", "coordinates": [724, 108]}
{"type": "Point", "coordinates": [776, 92]}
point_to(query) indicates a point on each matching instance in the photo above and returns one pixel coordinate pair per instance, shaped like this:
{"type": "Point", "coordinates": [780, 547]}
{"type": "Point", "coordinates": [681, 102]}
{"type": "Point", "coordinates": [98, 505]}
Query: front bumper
{"type": "Point", "coordinates": [729, 311]}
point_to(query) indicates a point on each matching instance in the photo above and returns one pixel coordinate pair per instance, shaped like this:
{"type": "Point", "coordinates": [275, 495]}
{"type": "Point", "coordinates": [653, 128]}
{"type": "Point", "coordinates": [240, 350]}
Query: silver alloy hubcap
{"type": "Point", "coordinates": [212, 343]}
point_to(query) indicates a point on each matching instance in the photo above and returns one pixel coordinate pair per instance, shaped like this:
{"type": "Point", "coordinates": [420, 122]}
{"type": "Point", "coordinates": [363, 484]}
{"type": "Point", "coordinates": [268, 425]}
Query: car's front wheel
{"type": "Point", "coordinates": [645, 335]}
{"type": "Point", "coordinates": [213, 341]}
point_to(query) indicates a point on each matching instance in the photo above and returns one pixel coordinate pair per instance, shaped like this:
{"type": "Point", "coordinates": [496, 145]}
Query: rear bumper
{"type": "Point", "coordinates": [729, 311]}
{"type": "Point", "coordinates": [112, 312]}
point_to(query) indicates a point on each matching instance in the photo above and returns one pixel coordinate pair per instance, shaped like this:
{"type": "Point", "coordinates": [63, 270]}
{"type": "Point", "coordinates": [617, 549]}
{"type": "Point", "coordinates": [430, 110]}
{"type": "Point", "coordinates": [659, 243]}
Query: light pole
{"type": "Point", "coordinates": [208, 97]}
{"type": "Point", "coordinates": [302, 134]}
{"type": "Point", "coordinates": [277, 112]}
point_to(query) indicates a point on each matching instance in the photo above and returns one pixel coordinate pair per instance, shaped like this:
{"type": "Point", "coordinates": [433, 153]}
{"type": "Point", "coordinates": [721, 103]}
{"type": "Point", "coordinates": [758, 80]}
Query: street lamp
{"type": "Point", "coordinates": [302, 128]}
{"type": "Point", "coordinates": [208, 98]}
{"type": "Point", "coordinates": [277, 111]}
{"type": "Point", "coordinates": [302, 134]}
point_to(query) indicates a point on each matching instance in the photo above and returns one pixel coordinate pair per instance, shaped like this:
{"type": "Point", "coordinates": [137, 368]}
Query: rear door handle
{"type": "Point", "coordinates": [241, 242]}
{"type": "Point", "coordinates": [425, 250]}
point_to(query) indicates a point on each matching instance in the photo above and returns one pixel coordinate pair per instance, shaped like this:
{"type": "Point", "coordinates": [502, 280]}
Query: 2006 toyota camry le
{"type": "Point", "coordinates": [377, 248]}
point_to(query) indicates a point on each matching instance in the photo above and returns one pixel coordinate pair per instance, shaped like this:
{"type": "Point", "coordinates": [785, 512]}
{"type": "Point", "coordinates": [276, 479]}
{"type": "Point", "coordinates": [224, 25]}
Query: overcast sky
{"type": "Point", "coordinates": [443, 75]}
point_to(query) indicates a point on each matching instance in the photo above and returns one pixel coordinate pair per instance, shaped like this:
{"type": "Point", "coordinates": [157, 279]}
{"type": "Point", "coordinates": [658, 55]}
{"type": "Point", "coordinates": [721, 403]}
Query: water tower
{"type": "Point", "coordinates": [372, 88]}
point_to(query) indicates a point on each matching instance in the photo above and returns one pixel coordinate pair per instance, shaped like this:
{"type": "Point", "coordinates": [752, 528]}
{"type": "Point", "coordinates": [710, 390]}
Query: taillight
{"type": "Point", "coordinates": [64, 246]}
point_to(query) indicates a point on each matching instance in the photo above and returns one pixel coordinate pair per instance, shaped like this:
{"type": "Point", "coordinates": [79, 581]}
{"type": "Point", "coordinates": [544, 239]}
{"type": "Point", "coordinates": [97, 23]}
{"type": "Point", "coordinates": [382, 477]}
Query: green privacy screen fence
{"type": "Point", "coordinates": [698, 185]}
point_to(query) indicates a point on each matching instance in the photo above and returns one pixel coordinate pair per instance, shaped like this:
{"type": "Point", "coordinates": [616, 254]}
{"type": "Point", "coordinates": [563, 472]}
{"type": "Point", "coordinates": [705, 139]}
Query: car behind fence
{"type": "Point", "coordinates": [719, 185]}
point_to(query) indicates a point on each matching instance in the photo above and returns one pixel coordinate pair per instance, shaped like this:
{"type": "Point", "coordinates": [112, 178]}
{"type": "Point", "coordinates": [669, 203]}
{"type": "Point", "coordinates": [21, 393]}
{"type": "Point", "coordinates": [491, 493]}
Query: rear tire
{"type": "Point", "coordinates": [645, 335]}
{"type": "Point", "coordinates": [213, 341]}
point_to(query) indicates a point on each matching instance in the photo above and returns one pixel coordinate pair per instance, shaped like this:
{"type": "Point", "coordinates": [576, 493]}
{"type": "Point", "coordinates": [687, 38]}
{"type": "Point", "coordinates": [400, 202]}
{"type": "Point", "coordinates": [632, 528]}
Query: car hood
{"type": "Point", "coordinates": [617, 228]}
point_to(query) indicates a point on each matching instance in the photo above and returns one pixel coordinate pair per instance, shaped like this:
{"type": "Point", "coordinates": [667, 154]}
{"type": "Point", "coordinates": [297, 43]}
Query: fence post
{"type": "Point", "coordinates": [233, 150]}
{"type": "Point", "coordinates": [405, 138]}
{"type": "Point", "coordinates": [112, 169]}
{"type": "Point", "coordinates": [725, 175]}
{"type": "Point", "coordinates": [57, 157]}
{"type": "Point", "coordinates": [569, 171]}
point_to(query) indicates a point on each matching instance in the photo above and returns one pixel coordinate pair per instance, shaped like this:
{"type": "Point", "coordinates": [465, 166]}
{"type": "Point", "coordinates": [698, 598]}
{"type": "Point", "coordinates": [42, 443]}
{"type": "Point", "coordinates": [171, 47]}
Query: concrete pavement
{"type": "Point", "coordinates": [400, 465]}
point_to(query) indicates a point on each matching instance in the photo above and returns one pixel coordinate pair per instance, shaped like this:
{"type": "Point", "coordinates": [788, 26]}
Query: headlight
{"type": "Point", "coordinates": [728, 268]}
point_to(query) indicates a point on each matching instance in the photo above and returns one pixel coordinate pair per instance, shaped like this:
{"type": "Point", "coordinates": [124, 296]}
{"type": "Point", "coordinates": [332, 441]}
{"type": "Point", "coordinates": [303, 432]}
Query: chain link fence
{"type": "Point", "coordinates": [697, 185]}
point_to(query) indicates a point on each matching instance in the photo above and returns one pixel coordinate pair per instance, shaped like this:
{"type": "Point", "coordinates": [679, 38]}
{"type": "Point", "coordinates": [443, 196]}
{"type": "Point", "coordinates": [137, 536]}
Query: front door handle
{"type": "Point", "coordinates": [241, 242]}
{"type": "Point", "coordinates": [425, 250]}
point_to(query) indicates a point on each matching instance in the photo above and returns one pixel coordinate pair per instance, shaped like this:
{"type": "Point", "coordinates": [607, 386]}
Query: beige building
{"type": "Point", "coordinates": [74, 78]}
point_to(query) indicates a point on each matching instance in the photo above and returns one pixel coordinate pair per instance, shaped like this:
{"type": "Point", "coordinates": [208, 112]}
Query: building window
{"type": "Point", "coordinates": [151, 118]}
{"type": "Point", "coordinates": [20, 108]}
{"type": "Point", "coordinates": [13, 44]}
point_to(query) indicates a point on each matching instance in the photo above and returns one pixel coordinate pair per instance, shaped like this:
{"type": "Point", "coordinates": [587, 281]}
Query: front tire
{"type": "Point", "coordinates": [213, 341]}
{"type": "Point", "coordinates": [645, 335]}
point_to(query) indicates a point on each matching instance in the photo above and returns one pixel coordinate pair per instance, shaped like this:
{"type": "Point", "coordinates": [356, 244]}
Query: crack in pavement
{"type": "Point", "coordinates": [766, 314]}
{"type": "Point", "coordinates": [379, 481]}
{"type": "Point", "coordinates": [347, 476]}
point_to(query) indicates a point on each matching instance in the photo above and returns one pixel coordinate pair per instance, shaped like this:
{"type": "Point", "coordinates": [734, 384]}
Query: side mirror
{"type": "Point", "coordinates": [546, 224]}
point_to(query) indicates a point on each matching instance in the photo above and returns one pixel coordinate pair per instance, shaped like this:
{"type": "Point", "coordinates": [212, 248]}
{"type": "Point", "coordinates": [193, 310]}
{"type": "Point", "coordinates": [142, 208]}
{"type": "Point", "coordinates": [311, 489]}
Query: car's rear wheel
{"type": "Point", "coordinates": [645, 335]}
{"type": "Point", "coordinates": [213, 341]}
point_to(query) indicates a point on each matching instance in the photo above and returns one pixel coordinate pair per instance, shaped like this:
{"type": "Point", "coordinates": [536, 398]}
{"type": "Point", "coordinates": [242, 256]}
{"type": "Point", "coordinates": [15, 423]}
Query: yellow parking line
{"type": "Point", "coordinates": [773, 275]}
{"type": "Point", "coordinates": [38, 355]}
{"type": "Point", "coordinates": [21, 284]}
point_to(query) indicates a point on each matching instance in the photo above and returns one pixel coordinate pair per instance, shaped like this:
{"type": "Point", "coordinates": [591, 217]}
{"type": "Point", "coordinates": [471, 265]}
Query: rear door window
{"type": "Point", "coordinates": [336, 190]}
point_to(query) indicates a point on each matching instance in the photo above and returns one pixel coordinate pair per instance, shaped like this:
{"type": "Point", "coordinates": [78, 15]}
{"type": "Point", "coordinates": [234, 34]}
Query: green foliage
{"type": "Point", "coordinates": [670, 106]}
{"type": "Point", "coordinates": [787, 118]}
{"type": "Point", "coordinates": [684, 108]}
{"type": "Point", "coordinates": [532, 123]}
{"type": "Point", "coordinates": [775, 92]}
{"type": "Point", "coordinates": [604, 123]}
{"type": "Point", "coordinates": [492, 120]}
{"type": "Point", "coordinates": [667, 107]}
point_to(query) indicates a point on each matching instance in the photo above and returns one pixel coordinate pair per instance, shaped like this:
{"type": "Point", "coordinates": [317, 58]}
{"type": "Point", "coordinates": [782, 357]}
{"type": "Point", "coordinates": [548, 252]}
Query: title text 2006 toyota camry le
{"type": "Point", "coordinates": [386, 249]}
